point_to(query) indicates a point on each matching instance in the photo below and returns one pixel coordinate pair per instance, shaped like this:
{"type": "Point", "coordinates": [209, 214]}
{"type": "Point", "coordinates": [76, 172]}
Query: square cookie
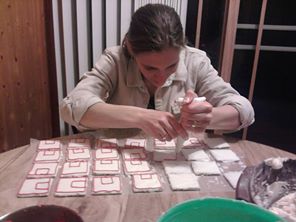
{"type": "Point", "coordinates": [74, 186]}
{"type": "Point", "coordinates": [224, 155]}
{"type": "Point", "coordinates": [78, 154]}
{"type": "Point", "coordinates": [216, 143]}
{"type": "Point", "coordinates": [162, 155]}
{"type": "Point", "coordinates": [176, 167]}
{"type": "Point", "coordinates": [48, 156]}
{"type": "Point", "coordinates": [164, 145]}
{"type": "Point", "coordinates": [232, 177]}
{"type": "Point", "coordinates": [146, 182]}
{"type": "Point", "coordinates": [49, 144]}
{"type": "Point", "coordinates": [135, 143]}
{"type": "Point", "coordinates": [106, 185]}
{"type": "Point", "coordinates": [106, 153]}
{"type": "Point", "coordinates": [195, 154]}
{"type": "Point", "coordinates": [43, 169]}
{"type": "Point", "coordinates": [134, 154]}
{"type": "Point", "coordinates": [136, 167]}
{"type": "Point", "coordinates": [38, 187]}
{"type": "Point", "coordinates": [106, 166]}
{"type": "Point", "coordinates": [75, 169]}
{"type": "Point", "coordinates": [205, 168]}
{"type": "Point", "coordinates": [187, 181]}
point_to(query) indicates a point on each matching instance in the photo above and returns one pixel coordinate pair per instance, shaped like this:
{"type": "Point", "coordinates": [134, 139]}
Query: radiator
{"type": "Point", "coordinates": [84, 28]}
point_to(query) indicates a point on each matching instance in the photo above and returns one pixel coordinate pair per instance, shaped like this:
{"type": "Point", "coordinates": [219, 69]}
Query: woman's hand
{"type": "Point", "coordinates": [161, 125]}
{"type": "Point", "coordinates": [195, 116]}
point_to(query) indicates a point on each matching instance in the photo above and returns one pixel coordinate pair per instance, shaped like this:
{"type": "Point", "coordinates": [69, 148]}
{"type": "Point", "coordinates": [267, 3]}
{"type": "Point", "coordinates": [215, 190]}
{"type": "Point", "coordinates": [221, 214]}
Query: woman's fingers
{"type": "Point", "coordinates": [162, 125]}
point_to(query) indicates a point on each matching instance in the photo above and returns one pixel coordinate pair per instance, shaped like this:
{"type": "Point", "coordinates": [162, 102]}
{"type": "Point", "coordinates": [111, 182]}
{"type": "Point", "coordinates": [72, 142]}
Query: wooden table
{"type": "Point", "coordinates": [140, 207]}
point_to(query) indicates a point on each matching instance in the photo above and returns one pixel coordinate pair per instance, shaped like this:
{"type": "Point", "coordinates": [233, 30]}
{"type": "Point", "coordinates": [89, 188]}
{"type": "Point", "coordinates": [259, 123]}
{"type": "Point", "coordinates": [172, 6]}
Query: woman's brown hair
{"type": "Point", "coordinates": [154, 27]}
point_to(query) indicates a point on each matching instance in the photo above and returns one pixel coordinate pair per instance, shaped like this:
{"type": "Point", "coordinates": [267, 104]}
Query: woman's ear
{"type": "Point", "coordinates": [128, 47]}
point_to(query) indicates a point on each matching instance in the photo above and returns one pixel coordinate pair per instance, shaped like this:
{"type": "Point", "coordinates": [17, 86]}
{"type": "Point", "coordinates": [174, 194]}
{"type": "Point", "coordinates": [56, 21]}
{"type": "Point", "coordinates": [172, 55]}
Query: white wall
{"type": "Point", "coordinates": [84, 28]}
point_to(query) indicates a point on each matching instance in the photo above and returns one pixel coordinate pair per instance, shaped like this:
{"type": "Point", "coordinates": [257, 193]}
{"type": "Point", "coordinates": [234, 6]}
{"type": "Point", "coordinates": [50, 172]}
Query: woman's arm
{"type": "Point", "coordinates": [157, 124]}
{"type": "Point", "coordinates": [224, 118]}
{"type": "Point", "coordinates": [198, 116]}
{"type": "Point", "coordinates": [227, 109]}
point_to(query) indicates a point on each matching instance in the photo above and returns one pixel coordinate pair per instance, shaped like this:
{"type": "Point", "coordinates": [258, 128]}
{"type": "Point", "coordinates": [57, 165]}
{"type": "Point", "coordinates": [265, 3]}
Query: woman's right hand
{"type": "Point", "coordinates": [161, 125]}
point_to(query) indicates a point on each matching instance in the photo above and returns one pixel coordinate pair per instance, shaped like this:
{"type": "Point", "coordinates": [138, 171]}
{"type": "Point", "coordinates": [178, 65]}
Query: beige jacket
{"type": "Point", "coordinates": [116, 79]}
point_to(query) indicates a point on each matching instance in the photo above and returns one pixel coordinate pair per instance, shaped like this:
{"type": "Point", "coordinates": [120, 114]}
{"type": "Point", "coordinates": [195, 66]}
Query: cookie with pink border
{"type": "Point", "coordinates": [79, 168]}
{"type": "Point", "coordinates": [136, 167]}
{"type": "Point", "coordinates": [106, 153]}
{"type": "Point", "coordinates": [134, 154]}
{"type": "Point", "coordinates": [49, 144]}
{"type": "Point", "coordinates": [146, 182]}
{"type": "Point", "coordinates": [106, 166]}
{"type": "Point", "coordinates": [164, 145]}
{"type": "Point", "coordinates": [106, 185]}
{"type": "Point", "coordinates": [74, 186]}
{"type": "Point", "coordinates": [43, 169]}
{"type": "Point", "coordinates": [37, 187]}
{"type": "Point", "coordinates": [52, 155]}
{"type": "Point", "coordinates": [135, 143]}
{"type": "Point", "coordinates": [78, 154]}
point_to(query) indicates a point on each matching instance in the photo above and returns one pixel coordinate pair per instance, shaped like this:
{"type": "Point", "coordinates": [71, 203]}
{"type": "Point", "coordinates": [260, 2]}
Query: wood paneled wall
{"type": "Point", "coordinates": [28, 105]}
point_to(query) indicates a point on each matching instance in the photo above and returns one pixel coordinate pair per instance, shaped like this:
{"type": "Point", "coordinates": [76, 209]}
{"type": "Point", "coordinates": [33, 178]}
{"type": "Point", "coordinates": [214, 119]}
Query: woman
{"type": "Point", "coordinates": [136, 85]}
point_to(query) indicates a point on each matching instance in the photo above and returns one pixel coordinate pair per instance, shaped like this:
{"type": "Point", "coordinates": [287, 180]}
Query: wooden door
{"type": "Point", "coordinates": [28, 104]}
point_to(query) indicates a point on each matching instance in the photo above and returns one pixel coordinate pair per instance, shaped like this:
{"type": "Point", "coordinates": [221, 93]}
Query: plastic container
{"type": "Point", "coordinates": [42, 213]}
{"type": "Point", "coordinates": [218, 210]}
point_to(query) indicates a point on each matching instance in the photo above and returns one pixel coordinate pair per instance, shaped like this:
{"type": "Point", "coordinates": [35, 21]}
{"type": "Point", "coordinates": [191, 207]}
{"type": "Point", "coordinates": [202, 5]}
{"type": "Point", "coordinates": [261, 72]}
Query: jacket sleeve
{"type": "Point", "coordinates": [94, 87]}
{"type": "Point", "coordinates": [219, 93]}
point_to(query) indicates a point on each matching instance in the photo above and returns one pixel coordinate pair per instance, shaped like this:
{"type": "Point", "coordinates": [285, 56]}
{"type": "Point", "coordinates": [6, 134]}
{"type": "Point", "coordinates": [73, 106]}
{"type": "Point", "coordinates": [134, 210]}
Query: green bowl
{"type": "Point", "coordinates": [218, 209]}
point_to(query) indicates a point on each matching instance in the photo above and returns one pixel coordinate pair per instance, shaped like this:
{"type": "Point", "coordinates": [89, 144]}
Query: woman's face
{"type": "Point", "coordinates": [156, 67]}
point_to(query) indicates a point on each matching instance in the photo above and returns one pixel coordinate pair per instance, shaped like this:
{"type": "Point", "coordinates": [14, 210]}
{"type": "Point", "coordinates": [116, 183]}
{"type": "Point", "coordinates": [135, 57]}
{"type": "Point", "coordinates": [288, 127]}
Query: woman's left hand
{"type": "Point", "coordinates": [195, 116]}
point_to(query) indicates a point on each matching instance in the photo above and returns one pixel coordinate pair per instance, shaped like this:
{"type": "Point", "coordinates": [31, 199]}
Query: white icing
{"type": "Point", "coordinates": [177, 167]}
{"type": "Point", "coordinates": [75, 168]}
{"type": "Point", "coordinates": [106, 166]}
{"type": "Point", "coordinates": [183, 181]}
{"type": "Point", "coordinates": [232, 177]}
{"type": "Point", "coordinates": [78, 154]}
{"type": "Point", "coordinates": [48, 155]}
{"type": "Point", "coordinates": [74, 186]}
{"type": "Point", "coordinates": [106, 153]}
{"type": "Point", "coordinates": [35, 187]}
{"type": "Point", "coordinates": [136, 166]}
{"type": "Point", "coordinates": [49, 144]}
{"type": "Point", "coordinates": [106, 185]}
{"type": "Point", "coordinates": [224, 155]}
{"type": "Point", "coordinates": [216, 143]}
{"type": "Point", "coordinates": [205, 168]}
{"type": "Point", "coordinates": [285, 207]}
{"type": "Point", "coordinates": [195, 154]}
{"type": "Point", "coordinates": [134, 154]}
{"type": "Point", "coordinates": [275, 163]}
{"type": "Point", "coordinates": [43, 169]}
{"type": "Point", "coordinates": [164, 145]}
{"type": "Point", "coordinates": [146, 182]}
{"type": "Point", "coordinates": [161, 155]}
{"type": "Point", "coordinates": [193, 142]}
{"type": "Point", "coordinates": [135, 143]}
